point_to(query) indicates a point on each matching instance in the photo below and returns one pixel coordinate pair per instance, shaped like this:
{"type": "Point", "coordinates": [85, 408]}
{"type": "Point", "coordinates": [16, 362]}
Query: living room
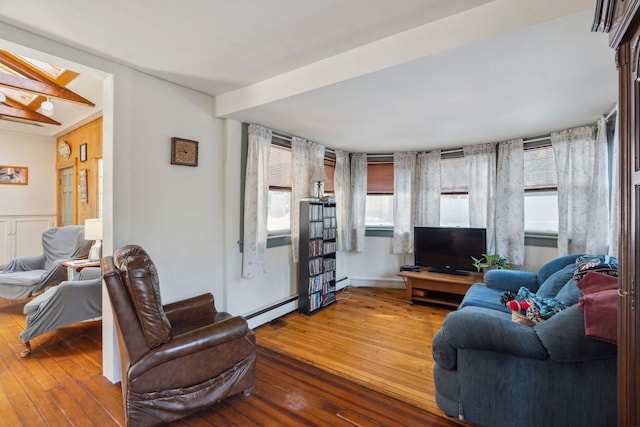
{"type": "Point", "coordinates": [145, 199]}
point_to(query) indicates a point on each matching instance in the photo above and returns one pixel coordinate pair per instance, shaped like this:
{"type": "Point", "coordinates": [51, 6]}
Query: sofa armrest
{"type": "Point", "coordinates": [190, 308]}
{"type": "Point", "coordinates": [443, 353]}
{"type": "Point", "coordinates": [25, 263]}
{"type": "Point", "coordinates": [90, 273]}
{"type": "Point", "coordinates": [192, 342]}
{"type": "Point", "coordinates": [511, 280]}
{"type": "Point", "coordinates": [477, 328]}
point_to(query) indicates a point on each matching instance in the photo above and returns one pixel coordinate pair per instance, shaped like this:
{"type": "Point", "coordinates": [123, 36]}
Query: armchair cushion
{"type": "Point", "coordinates": [141, 280]}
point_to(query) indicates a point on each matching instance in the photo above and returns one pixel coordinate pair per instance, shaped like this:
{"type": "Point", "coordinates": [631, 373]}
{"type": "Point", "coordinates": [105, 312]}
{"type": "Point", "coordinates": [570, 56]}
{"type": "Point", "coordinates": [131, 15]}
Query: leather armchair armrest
{"type": "Point", "coordinates": [190, 308]}
{"type": "Point", "coordinates": [191, 342]}
{"type": "Point", "coordinates": [511, 280]}
{"type": "Point", "coordinates": [476, 328]}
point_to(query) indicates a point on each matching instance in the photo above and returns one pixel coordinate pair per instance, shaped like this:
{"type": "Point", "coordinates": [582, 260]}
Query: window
{"type": "Point", "coordinates": [540, 190]}
{"type": "Point", "coordinates": [279, 208]}
{"type": "Point", "coordinates": [379, 203]}
{"type": "Point", "coordinates": [454, 192]}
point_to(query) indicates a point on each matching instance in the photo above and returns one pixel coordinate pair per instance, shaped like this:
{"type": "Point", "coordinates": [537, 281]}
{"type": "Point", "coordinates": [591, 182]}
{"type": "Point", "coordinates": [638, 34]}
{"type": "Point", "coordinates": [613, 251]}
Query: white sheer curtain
{"type": "Point", "coordinates": [358, 200]}
{"type": "Point", "coordinates": [481, 165]}
{"type": "Point", "coordinates": [342, 186]}
{"type": "Point", "coordinates": [305, 156]}
{"type": "Point", "coordinates": [614, 228]}
{"type": "Point", "coordinates": [510, 201]}
{"type": "Point", "coordinates": [428, 189]}
{"type": "Point", "coordinates": [583, 200]}
{"type": "Point", "coordinates": [404, 172]}
{"type": "Point", "coordinates": [256, 198]}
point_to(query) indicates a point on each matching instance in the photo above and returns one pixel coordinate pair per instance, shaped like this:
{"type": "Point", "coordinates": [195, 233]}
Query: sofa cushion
{"type": "Point", "coordinates": [480, 295]}
{"type": "Point", "coordinates": [569, 294]}
{"type": "Point", "coordinates": [555, 282]}
{"type": "Point", "coordinates": [564, 339]}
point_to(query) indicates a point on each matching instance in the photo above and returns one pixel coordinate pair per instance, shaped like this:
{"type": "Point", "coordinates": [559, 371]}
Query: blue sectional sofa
{"type": "Point", "coordinates": [492, 371]}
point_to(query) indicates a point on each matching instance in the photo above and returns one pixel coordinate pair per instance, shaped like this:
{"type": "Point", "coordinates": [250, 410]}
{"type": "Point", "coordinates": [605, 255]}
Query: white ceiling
{"type": "Point", "coordinates": [359, 75]}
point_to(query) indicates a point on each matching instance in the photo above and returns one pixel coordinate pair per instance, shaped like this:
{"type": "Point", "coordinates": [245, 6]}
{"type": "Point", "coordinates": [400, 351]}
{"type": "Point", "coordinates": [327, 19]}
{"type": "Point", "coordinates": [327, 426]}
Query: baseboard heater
{"type": "Point", "coordinates": [271, 307]}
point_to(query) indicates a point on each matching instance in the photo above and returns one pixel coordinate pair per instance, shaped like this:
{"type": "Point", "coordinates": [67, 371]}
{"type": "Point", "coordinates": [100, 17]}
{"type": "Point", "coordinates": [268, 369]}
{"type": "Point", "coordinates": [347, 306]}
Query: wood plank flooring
{"type": "Point", "coordinates": [372, 336]}
{"type": "Point", "coordinates": [61, 384]}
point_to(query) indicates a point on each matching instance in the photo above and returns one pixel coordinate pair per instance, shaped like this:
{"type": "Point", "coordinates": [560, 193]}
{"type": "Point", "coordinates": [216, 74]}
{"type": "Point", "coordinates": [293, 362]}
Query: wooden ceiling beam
{"type": "Point", "coordinates": [22, 67]}
{"type": "Point", "coordinates": [43, 88]}
{"type": "Point", "coordinates": [18, 111]}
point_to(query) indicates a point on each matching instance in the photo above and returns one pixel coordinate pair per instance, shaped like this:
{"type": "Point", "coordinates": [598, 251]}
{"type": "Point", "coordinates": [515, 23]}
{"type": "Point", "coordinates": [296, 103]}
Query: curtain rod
{"type": "Point", "coordinates": [543, 138]}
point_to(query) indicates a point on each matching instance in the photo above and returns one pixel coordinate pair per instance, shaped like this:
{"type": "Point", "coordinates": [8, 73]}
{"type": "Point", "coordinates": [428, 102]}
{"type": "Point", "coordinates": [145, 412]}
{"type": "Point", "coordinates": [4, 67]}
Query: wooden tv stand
{"type": "Point", "coordinates": [438, 288]}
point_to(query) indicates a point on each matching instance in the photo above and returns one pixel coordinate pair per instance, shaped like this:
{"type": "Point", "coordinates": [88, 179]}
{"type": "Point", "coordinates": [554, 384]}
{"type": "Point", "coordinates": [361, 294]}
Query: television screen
{"type": "Point", "coordinates": [448, 249]}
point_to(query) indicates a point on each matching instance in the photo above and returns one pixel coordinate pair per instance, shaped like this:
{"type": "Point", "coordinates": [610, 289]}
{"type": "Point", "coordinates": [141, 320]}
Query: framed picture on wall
{"type": "Point", "coordinates": [17, 175]}
{"type": "Point", "coordinates": [83, 152]}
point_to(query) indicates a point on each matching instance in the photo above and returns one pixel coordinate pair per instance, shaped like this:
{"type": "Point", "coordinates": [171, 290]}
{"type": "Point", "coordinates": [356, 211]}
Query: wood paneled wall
{"type": "Point", "coordinates": [90, 134]}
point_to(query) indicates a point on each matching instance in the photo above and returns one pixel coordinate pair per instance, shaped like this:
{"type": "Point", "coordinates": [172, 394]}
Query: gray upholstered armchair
{"type": "Point", "coordinates": [178, 358]}
{"type": "Point", "coordinates": [25, 276]}
{"type": "Point", "coordinates": [62, 305]}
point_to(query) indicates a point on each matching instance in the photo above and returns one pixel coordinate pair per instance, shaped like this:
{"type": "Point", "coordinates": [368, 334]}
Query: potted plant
{"type": "Point", "coordinates": [488, 262]}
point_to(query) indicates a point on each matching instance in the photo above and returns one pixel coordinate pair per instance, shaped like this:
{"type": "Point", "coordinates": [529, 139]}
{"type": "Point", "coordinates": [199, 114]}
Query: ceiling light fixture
{"type": "Point", "coordinates": [47, 108]}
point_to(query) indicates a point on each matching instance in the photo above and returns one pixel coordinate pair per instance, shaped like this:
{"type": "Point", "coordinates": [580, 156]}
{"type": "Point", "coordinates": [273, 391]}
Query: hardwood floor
{"type": "Point", "coordinates": [61, 384]}
{"type": "Point", "coordinates": [372, 336]}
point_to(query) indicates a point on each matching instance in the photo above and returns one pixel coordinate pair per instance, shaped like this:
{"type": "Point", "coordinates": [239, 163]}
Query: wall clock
{"type": "Point", "coordinates": [184, 152]}
{"type": "Point", "coordinates": [64, 149]}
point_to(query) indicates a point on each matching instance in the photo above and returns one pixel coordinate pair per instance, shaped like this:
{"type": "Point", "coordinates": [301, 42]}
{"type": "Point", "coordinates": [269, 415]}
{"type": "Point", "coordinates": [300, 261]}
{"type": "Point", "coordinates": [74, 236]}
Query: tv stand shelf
{"type": "Point", "coordinates": [439, 288]}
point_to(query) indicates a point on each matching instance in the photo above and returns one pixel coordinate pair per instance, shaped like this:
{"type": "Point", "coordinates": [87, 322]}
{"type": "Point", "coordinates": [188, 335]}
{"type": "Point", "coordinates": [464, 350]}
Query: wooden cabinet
{"type": "Point", "coordinates": [317, 255]}
{"type": "Point", "coordinates": [22, 236]}
{"type": "Point", "coordinates": [621, 19]}
{"type": "Point", "coordinates": [439, 288]}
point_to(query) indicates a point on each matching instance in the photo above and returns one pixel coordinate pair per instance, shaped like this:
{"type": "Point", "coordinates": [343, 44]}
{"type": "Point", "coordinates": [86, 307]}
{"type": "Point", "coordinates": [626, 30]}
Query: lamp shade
{"type": "Point", "coordinates": [319, 175]}
{"type": "Point", "coordinates": [93, 229]}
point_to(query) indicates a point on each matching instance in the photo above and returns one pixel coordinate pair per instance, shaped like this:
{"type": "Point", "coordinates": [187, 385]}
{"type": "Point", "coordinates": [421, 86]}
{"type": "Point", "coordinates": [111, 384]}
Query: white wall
{"type": "Point", "coordinates": [38, 154]}
{"type": "Point", "coordinates": [188, 219]}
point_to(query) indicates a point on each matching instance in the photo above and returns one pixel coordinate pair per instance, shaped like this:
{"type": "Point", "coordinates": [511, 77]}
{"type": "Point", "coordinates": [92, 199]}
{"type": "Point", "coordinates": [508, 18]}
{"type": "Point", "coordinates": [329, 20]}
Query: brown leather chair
{"type": "Point", "coordinates": [175, 359]}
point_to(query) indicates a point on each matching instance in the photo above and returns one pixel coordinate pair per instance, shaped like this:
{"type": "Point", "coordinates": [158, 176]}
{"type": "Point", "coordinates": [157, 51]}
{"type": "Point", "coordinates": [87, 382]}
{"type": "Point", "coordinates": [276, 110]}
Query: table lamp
{"type": "Point", "coordinates": [93, 231]}
{"type": "Point", "coordinates": [319, 176]}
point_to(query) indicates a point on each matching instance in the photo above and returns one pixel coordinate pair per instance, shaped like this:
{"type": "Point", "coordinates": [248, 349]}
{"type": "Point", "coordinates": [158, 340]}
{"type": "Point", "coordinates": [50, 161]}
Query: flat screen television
{"type": "Point", "coordinates": [448, 249]}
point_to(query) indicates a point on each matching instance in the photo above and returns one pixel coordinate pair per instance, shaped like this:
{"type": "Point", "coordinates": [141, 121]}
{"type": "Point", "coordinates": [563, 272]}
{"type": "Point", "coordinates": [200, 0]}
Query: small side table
{"type": "Point", "coordinates": [74, 266]}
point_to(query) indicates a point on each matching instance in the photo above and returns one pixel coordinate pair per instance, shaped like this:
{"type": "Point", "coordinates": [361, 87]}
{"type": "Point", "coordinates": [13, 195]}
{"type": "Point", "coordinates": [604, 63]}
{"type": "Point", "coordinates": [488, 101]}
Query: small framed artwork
{"type": "Point", "coordinates": [184, 152]}
{"type": "Point", "coordinates": [17, 175]}
{"type": "Point", "coordinates": [83, 152]}
{"type": "Point", "coordinates": [82, 187]}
